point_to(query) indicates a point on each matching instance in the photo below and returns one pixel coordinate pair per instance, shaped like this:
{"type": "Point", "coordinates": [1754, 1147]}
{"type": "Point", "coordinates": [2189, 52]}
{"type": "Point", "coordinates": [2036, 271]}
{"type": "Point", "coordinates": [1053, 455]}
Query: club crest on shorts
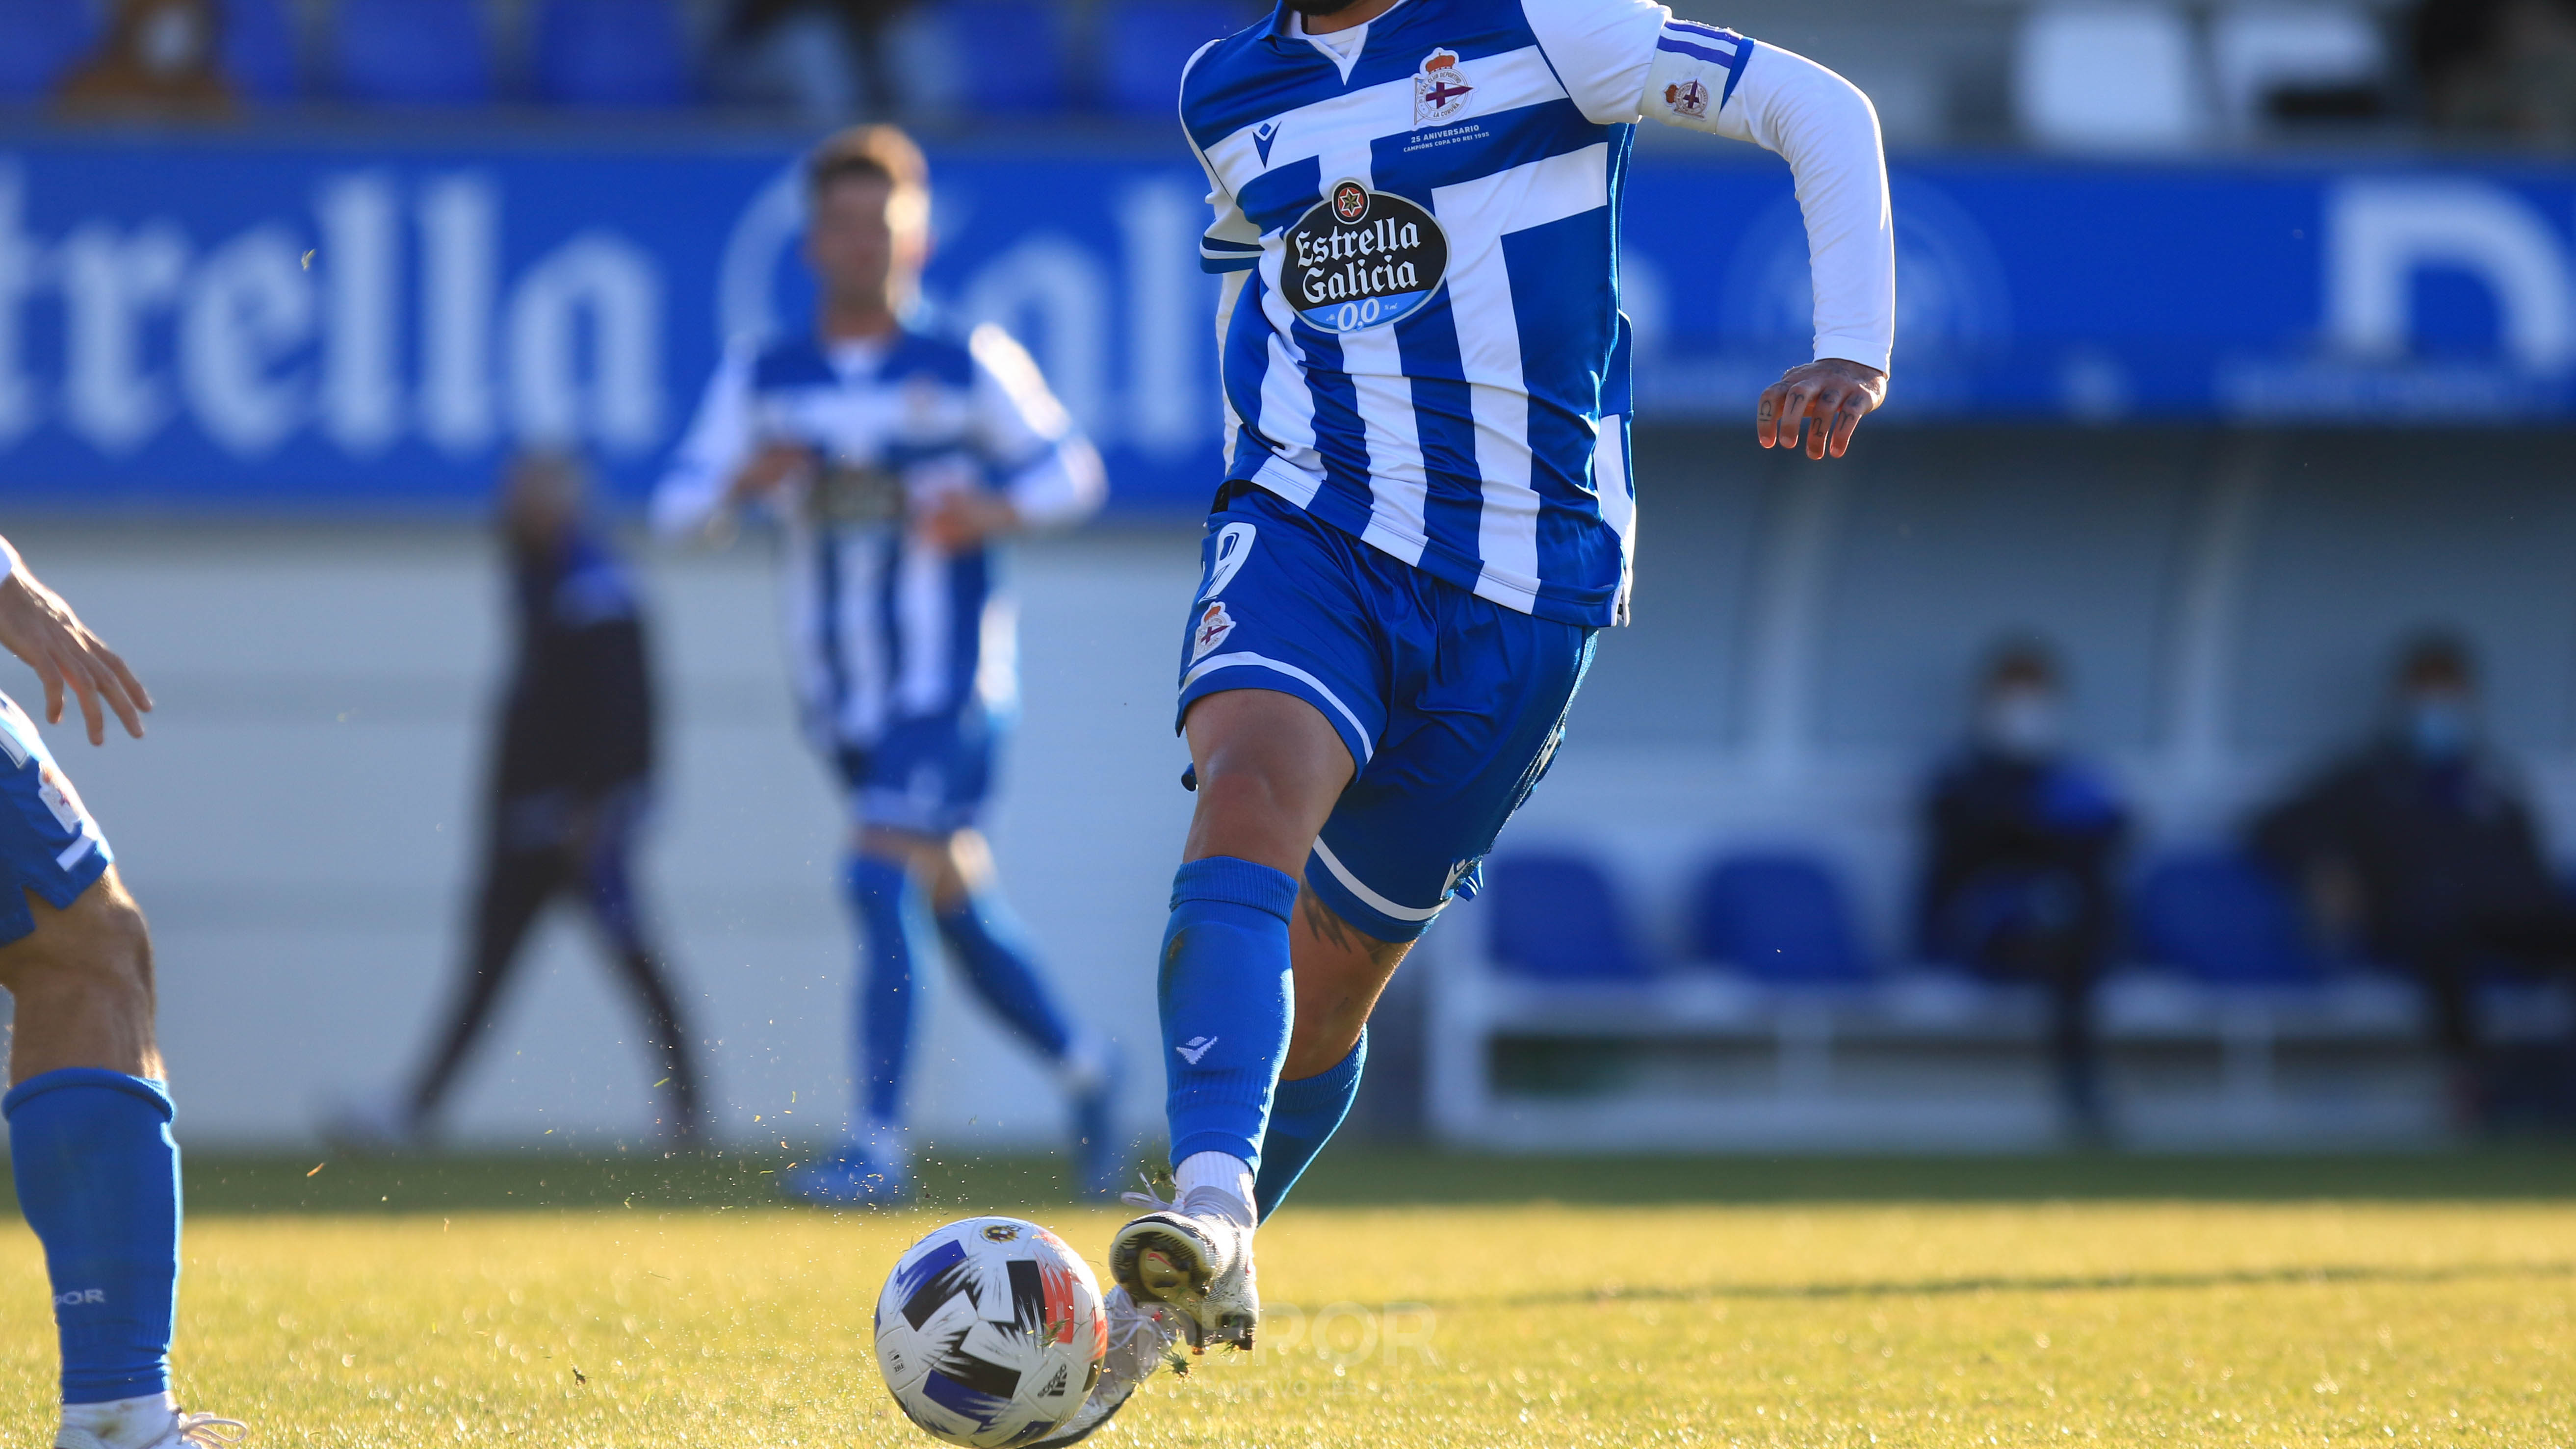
{"type": "Point", "coordinates": [1439, 91]}
{"type": "Point", "coordinates": [1214, 624]}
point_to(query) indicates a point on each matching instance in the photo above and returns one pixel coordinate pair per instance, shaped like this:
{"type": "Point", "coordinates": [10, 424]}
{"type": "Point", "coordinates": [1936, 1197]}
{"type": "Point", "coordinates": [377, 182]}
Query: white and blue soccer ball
{"type": "Point", "coordinates": [990, 1331]}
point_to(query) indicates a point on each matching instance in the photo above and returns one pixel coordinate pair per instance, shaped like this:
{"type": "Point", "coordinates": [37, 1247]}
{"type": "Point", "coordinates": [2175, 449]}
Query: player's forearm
{"type": "Point", "coordinates": [1710, 80]}
{"type": "Point", "coordinates": [1061, 489]}
{"type": "Point", "coordinates": [1828, 132]}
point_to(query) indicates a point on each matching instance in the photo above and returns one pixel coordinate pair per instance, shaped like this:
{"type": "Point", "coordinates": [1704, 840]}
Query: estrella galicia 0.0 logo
{"type": "Point", "coordinates": [1360, 258]}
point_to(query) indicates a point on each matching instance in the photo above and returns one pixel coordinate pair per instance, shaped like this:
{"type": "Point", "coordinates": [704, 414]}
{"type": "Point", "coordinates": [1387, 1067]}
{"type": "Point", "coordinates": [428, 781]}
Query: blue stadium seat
{"type": "Point", "coordinates": [258, 50]}
{"type": "Point", "coordinates": [2225, 919]}
{"type": "Point", "coordinates": [612, 53]}
{"type": "Point", "coordinates": [1778, 918]}
{"type": "Point", "coordinates": [413, 53]}
{"type": "Point", "coordinates": [1555, 918]}
{"type": "Point", "coordinates": [39, 41]}
{"type": "Point", "coordinates": [1011, 55]}
{"type": "Point", "coordinates": [1141, 72]}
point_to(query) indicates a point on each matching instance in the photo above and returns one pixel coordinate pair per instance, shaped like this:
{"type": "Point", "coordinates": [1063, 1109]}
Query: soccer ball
{"type": "Point", "coordinates": [990, 1331]}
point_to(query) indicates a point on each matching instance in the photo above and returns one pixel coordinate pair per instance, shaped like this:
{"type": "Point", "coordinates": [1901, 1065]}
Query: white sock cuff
{"type": "Point", "coordinates": [1219, 1172]}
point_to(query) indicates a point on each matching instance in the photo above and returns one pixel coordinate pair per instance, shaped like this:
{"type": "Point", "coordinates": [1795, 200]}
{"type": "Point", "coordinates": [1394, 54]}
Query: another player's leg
{"type": "Point", "coordinates": [96, 1170]}
{"type": "Point", "coordinates": [1269, 769]}
{"type": "Point", "coordinates": [518, 881]}
{"type": "Point", "coordinates": [989, 945]}
{"type": "Point", "coordinates": [874, 1165]}
{"type": "Point", "coordinates": [608, 880]}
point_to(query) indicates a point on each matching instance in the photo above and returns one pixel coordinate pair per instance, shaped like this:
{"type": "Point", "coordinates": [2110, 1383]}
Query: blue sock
{"type": "Point", "coordinates": [98, 1178]}
{"type": "Point", "coordinates": [1226, 994]}
{"type": "Point", "coordinates": [879, 889]}
{"type": "Point", "coordinates": [988, 943]}
{"type": "Point", "coordinates": [1303, 1116]}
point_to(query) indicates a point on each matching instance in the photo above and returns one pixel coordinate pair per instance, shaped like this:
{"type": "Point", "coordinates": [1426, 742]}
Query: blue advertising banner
{"type": "Point", "coordinates": [265, 324]}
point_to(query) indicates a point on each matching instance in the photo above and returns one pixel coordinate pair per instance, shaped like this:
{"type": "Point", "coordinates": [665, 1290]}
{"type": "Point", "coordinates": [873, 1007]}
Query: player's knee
{"type": "Point", "coordinates": [98, 949]}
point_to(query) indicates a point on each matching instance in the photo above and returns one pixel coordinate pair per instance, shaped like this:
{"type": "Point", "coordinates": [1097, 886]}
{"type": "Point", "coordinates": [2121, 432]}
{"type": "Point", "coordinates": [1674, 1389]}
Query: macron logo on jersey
{"type": "Point", "coordinates": [1262, 136]}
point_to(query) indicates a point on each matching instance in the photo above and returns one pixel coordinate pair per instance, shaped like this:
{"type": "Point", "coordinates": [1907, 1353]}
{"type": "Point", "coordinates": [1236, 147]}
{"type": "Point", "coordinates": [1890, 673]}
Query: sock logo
{"type": "Point", "coordinates": [78, 1296]}
{"type": "Point", "coordinates": [1197, 1047]}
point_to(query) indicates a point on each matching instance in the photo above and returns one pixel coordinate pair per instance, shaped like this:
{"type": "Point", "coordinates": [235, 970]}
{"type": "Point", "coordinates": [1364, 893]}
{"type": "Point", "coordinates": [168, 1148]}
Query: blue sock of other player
{"type": "Point", "coordinates": [1226, 993]}
{"type": "Point", "coordinates": [879, 891]}
{"type": "Point", "coordinates": [989, 945]}
{"type": "Point", "coordinates": [1303, 1116]}
{"type": "Point", "coordinates": [98, 1178]}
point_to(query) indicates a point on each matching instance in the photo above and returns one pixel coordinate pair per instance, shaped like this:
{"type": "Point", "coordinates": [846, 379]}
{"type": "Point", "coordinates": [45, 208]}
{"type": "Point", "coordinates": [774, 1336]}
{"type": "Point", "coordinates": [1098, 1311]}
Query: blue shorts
{"type": "Point", "coordinates": [48, 843]}
{"type": "Point", "coordinates": [929, 775]}
{"type": "Point", "coordinates": [1451, 705]}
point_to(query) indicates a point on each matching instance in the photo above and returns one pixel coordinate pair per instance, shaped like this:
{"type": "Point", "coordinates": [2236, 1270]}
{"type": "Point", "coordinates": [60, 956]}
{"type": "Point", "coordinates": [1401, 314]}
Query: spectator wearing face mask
{"type": "Point", "coordinates": [2423, 846]}
{"type": "Point", "coordinates": [2020, 841]}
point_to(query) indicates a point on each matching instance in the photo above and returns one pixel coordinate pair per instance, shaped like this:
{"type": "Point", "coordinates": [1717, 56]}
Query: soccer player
{"type": "Point", "coordinates": [571, 790]}
{"type": "Point", "coordinates": [89, 1105]}
{"type": "Point", "coordinates": [897, 460]}
{"type": "Point", "coordinates": [1426, 515]}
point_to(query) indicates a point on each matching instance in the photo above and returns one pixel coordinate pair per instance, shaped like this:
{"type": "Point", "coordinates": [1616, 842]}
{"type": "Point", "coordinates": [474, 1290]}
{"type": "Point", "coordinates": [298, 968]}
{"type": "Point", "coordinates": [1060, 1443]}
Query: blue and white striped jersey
{"type": "Point", "coordinates": [883, 626]}
{"type": "Point", "coordinates": [1420, 336]}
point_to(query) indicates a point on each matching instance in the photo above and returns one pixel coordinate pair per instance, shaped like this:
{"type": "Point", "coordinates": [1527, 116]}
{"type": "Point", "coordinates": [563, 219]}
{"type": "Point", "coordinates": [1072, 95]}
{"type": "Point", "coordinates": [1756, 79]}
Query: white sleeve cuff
{"type": "Point", "coordinates": [1868, 351]}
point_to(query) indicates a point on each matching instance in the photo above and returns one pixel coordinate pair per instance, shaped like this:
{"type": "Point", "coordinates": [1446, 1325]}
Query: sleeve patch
{"type": "Point", "coordinates": [1689, 58]}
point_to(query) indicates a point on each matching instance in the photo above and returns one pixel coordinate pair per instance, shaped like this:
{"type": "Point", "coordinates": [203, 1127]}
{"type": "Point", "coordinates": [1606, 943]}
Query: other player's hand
{"type": "Point", "coordinates": [961, 520]}
{"type": "Point", "coordinates": [40, 628]}
{"type": "Point", "coordinates": [1837, 394]}
{"type": "Point", "coordinates": [769, 469]}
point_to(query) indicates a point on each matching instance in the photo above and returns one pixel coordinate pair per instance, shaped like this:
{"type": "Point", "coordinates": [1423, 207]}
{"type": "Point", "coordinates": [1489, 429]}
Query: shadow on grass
{"type": "Point", "coordinates": [2071, 1283]}
{"type": "Point", "coordinates": [1365, 1175]}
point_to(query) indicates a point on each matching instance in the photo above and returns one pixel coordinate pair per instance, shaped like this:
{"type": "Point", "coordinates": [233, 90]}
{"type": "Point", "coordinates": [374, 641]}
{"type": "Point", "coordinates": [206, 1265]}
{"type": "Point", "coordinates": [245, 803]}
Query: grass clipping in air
{"type": "Point", "coordinates": [1899, 1324]}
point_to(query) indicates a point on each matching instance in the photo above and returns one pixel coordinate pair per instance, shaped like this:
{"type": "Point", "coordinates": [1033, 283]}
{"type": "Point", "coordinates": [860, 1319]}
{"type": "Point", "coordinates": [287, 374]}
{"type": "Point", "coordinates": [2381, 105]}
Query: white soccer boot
{"type": "Point", "coordinates": [1140, 1341]}
{"type": "Point", "coordinates": [150, 1422]}
{"type": "Point", "coordinates": [1194, 1256]}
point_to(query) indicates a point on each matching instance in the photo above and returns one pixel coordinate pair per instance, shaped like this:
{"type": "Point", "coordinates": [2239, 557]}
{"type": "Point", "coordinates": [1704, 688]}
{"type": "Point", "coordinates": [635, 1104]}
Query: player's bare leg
{"type": "Point", "coordinates": [1269, 770]}
{"type": "Point", "coordinates": [82, 987]}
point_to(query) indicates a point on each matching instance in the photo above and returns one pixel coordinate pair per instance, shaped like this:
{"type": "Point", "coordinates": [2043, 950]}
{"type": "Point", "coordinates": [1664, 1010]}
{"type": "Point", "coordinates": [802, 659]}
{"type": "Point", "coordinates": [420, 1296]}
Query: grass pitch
{"type": "Point", "coordinates": [1906, 1304]}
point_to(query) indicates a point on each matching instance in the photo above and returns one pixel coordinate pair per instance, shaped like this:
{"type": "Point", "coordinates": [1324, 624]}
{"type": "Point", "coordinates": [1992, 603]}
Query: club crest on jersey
{"type": "Point", "coordinates": [1214, 624]}
{"type": "Point", "coordinates": [1439, 91]}
{"type": "Point", "coordinates": [1360, 258]}
{"type": "Point", "coordinates": [1687, 98]}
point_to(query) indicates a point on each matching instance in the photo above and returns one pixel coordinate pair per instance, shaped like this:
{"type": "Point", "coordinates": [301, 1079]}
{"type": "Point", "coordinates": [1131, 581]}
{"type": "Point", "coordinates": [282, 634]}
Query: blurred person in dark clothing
{"type": "Point", "coordinates": [2424, 844]}
{"type": "Point", "coordinates": [2498, 67]}
{"type": "Point", "coordinates": [2020, 840]}
{"type": "Point", "coordinates": [570, 790]}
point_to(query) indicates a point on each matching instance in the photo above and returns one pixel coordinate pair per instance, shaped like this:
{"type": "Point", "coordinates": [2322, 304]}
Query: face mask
{"type": "Point", "coordinates": [2438, 727]}
{"type": "Point", "coordinates": [2024, 722]}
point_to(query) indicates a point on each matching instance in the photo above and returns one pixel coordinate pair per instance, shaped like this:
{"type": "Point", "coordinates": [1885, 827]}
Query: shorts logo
{"type": "Point", "coordinates": [1687, 98]}
{"type": "Point", "coordinates": [1214, 625]}
{"type": "Point", "coordinates": [1439, 91]}
{"type": "Point", "coordinates": [1233, 547]}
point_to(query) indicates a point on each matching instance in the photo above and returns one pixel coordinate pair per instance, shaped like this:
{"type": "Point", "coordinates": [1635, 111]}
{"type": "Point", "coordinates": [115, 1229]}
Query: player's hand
{"type": "Point", "coordinates": [961, 520]}
{"type": "Point", "coordinates": [769, 469]}
{"type": "Point", "coordinates": [40, 628]}
{"type": "Point", "coordinates": [1837, 394]}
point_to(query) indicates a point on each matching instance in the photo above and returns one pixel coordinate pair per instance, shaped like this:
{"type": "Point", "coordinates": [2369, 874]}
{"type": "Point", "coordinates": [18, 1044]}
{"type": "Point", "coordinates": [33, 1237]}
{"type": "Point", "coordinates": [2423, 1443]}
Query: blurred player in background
{"type": "Point", "coordinates": [1426, 516]}
{"type": "Point", "coordinates": [2020, 837]}
{"type": "Point", "coordinates": [2424, 846]}
{"type": "Point", "coordinates": [572, 784]}
{"type": "Point", "coordinates": [88, 1107]}
{"type": "Point", "coordinates": [897, 459]}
